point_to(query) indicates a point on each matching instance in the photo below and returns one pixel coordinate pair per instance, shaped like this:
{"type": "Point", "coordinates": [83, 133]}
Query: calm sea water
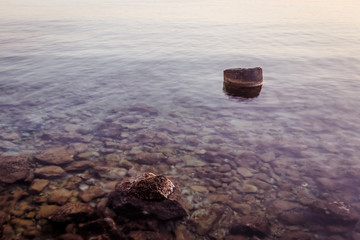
{"type": "Point", "coordinates": [85, 62]}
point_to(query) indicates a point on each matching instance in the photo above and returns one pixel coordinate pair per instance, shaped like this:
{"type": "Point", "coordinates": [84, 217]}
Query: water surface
{"type": "Point", "coordinates": [155, 67]}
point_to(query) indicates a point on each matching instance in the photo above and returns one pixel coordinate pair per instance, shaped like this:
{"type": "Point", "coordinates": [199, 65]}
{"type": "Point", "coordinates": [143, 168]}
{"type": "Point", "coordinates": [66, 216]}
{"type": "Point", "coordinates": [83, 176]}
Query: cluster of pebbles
{"type": "Point", "coordinates": [56, 181]}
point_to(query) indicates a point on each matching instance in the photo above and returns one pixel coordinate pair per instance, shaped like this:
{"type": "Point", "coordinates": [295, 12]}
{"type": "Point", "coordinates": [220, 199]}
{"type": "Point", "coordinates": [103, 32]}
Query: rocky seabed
{"type": "Point", "coordinates": [67, 179]}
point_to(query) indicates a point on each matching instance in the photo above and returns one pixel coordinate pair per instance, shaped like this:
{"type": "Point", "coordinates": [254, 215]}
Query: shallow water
{"type": "Point", "coordinates": [154, 70]}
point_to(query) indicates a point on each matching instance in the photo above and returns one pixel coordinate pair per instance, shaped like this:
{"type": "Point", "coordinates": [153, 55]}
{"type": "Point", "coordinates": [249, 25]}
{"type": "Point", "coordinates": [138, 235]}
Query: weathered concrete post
{"type": "Point", "coordinates": [243, 82]}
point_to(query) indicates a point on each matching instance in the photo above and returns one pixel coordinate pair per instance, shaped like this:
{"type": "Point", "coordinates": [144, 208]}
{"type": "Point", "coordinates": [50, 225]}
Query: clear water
{"type": "Point", "coordinates": [83, 63]}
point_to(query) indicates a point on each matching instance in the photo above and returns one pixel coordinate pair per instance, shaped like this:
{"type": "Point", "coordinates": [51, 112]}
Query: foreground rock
{"type": "Point", "coordinates": [147, 195]}
{"type": "Point", "coordinates": [14, 168]}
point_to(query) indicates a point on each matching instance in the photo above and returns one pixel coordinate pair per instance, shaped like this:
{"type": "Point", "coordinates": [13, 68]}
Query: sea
{"type": "Point", "coordinates": [116, 79]}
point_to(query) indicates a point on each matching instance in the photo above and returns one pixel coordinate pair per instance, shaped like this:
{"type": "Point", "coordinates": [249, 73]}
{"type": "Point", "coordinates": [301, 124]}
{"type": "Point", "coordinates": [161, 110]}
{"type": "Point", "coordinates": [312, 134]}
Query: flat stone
{"type": "Point", "coordinates": [10, 136]}
{"type": "Point", "coordinates": [74, 211]}
{"type": "Point", "coordinates": [251, 226]}
{"type": "Point", "coordinates": [104, 228]}
{"type": "Point", "coordinates": [79, 166]}
{"type": "Point", "coordinates": [45, 211]}
{"type": "Point", "coordinates": [329, 184]}
{"type": "Point", "coordinates": [192, 161]}
{"type": "Point", "coordinates": [149, 158]}
{"type": "Point", "coordinates": [200, 189]}
{"type": "Point", "coordinates": [111, 173]}
{"type": "Point", "coordinates": [91, 193]}
{"type": "Point", "coordinates": [23, 223]}
{"type": "Point", "coordinates": [109, 130]}
{"type": "Point", "coordinates": [56, 156]}
{"type": "Point", "coordinates": [248, 188]}
{"type": "Point", "coordinates": [297, 236]}
{"type": "Point", "coordinates": [220, 198]}
{"type": "Point", "coordinates": [244, 172]}
{"type": "Point", "coordinates": [79, 147]}
{"type": "Point", "coordinates": [224, 168]}
{"type": "Point", "coordinates": [294, 217]}
{"type": "Point", "coordinates": [241, 207]}
{"type": "Point", "coordinates": [50, 172]}
{"type": "Point", "coordinates": [204, 220]}
{"type": "Point", "coordinates": [38, 185]}
{"type": "Point", "coordinates": [143, 108]}
{"type": "Point", "coordinates": [268, 157]}
{"type": "Point", "coordinates": [69, 236]}
{"type": "Point", "coordinates": [60, 196]}
{"type": "Point", "coordinates": [282, 205]}
{"type": "Point", "coordinates": [21, 208]}
{"type": "Point", "coordinates": [335, 212]}
{"type": "Point", "coordinates": [14, 168]}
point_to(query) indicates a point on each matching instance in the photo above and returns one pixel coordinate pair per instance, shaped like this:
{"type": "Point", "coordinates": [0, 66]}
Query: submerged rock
{"type": "Point", "coordinates": [147, 195]}
{"type": "Point", "coordinates": [251, 226]}
{"type": "Point", "coordinates": [56, 156]}
{"type": "Point", "coordinates": [14, 168]}
{"type": "Point", "coordinates": [50, 172]}
{"type": "Point", "coordinates": [335, 212]}
{"type": "Point", "coordinates": [59, 196]}
{"type": "Point", "coordinates": [100, 229]}
{"type": "Point", "coordinates": [91, 193]}
{"type": "Point", "coordinates": [74, 211]}
{"type": "Point", "coordinates": [38, 185]}
{"type": "Point", "coordinates": [79, 166]}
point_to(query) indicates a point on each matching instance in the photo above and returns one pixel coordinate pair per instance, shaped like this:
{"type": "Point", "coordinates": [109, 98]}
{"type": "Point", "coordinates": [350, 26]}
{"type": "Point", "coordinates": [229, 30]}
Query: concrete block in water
{"type": "Point", "coordinates": [243, 82]}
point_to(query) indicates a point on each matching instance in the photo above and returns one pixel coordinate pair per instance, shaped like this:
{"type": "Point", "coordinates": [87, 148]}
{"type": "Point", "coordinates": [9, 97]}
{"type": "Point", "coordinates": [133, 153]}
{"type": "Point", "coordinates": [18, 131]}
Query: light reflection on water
{"type": "Point", "coordinates": [87, 63]}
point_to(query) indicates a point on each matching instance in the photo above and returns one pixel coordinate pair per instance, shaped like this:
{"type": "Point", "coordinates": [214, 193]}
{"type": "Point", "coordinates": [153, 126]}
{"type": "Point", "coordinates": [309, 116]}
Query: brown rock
{"type": "Point", "coordinates": [143, 108]}
{"type": "Point", "coordinates": [147, 194]}
{"type": "Point", "coordinates": [248, 188]}
{"type": "Point", "coordinates": [10, 136]}
{"type": "Point", "coordinates": [59, 196]}
{"type": "Point", "coordinates": [204, 220]}
{"type": "Point", "coordinates": [14, 168]}
{"type": "Point", "coordinates": [56, 156]}
{"type": "Point", "coordinates": [69, 236]}
{"type": "Point", "coordinates": [200, 189]}
{"type": "Point", "coordinates": [282, 205]}
{"type": "Point", "coordinates": [91, 193]}
{"type": "Point", "coordinates": [335, 212]}
{"type": "Point", "coordinates": [111, 173]}
{"type": "Point", "coordinates": [46, 210]}
{"type": "Point", "coordinates": [110, 130]}
{"type": "Point", "coordinates": [329, 184]}
{"type": "Point", "coordinates": [21, 208]}
{"type": "Point", "coordinates": [74, 211]}
{"type": "Point", "coordinates": [106, 228]}
{"type": "Point", "coordinates": [79, 147]}
{"type": "Point", "coordinates": [251, 226]}
{"type": "Point", "coordinates": [79, 166]}
{"type": "Point", "coordinates": [293, 217]}
{"type": "Point", "coordinates": [149, 158]}
{"type": "Point", "coordinates": [245, 172]}
{"type": "Point", "coordinates": [50, 172]}
{"type": "Point", "coordinates": [3, 217]}
{"type": "Point", "coordinates": [297, 236]}
{"type": "Point", "coordinates": [38, 185]}
{"type": "Point", "coordinates": [236, 237]}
